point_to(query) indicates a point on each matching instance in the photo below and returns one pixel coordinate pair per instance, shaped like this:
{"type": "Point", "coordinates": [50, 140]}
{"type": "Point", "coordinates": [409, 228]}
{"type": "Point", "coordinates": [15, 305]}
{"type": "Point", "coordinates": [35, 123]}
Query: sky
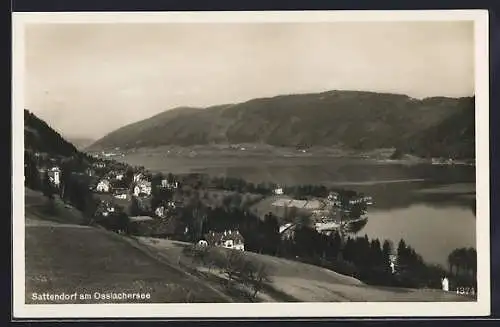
{"type": "Point", "coordinates": [86, 80]}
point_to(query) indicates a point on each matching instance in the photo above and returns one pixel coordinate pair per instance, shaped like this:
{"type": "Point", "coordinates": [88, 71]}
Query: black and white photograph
{"type": "Point", "coordinates": [251, 164]}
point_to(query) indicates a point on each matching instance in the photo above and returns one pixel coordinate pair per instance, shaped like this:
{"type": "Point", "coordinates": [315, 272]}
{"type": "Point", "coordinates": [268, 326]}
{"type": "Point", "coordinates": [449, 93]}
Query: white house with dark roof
{"type": "Point", "coordinates": [142, 188]}
{"type": "Point", "coordinates": [103, 186]}
{"type": "Point", "coordinates": [229, 239]}
{"type": "Point", "coordinates": [54, 174]}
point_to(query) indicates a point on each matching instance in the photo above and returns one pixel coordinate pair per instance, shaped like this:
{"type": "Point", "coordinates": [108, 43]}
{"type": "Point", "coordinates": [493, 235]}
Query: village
{"type": "Point", "coordinates": [154, 203]}
{"type": "Point", "coordinates": [304, 223]}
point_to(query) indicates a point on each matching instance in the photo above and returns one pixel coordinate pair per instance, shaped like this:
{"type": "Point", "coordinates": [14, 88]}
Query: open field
{"type": "Point", "coordinates": [276, 205]}
{"type": "Point", "coordinates": [300, 282]}
{"type": "Point", "coordinates": [71, 258]}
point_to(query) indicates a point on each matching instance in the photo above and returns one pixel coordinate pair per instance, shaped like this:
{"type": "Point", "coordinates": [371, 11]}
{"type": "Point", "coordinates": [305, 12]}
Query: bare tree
{"type": "Point", "coordinates": [257, 279]}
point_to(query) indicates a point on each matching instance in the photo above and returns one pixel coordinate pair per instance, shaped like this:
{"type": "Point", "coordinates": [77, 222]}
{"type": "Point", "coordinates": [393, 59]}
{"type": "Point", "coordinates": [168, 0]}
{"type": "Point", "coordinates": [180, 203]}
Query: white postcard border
{"type": "Point", "coordinates": [257, 310]}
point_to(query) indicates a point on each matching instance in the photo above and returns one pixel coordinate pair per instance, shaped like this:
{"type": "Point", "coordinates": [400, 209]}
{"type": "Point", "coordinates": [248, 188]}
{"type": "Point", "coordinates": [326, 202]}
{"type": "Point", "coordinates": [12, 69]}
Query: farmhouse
{"type": "Point", "coordinates": [103, 186]}
{"type": "Point", "coordinates": [278, 191]}
{"type": "Point", "coordinates": [122, 196]}
{"type": "Point", "coordinates": [287, 231]}
{"type": "Point", "coordinates": [138, 177]}
{"type": "Point", "coordinates": [229, 239]}
{"type": "Point", "coordinates": [105, 208]}
{"type": "Point", "coordinates": [142, 188]}
{"type": "Point", "coordinates": [161, 212]}
{"type": "Point", "coordinates": [55, 175]}
{"type": "Point", "coordinates": [163, 209]}
{"type": "Point", "coordinates": [166, 184]}
{"type": "Point", "coordinates": [99, 164]}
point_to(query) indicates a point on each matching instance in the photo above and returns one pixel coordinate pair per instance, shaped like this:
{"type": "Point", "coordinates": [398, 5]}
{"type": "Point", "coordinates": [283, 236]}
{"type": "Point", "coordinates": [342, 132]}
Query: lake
{"type": "Point", "coordinates": [432, 207]}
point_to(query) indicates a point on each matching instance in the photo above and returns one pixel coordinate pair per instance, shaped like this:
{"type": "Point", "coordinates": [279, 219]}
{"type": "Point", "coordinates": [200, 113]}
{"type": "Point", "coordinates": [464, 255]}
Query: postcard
{"type": "Point", "coordinates": [251, 164]}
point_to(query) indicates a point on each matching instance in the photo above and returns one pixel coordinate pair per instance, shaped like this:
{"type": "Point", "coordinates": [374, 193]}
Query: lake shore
{"type": "Point", "coordinates": [266, 152]}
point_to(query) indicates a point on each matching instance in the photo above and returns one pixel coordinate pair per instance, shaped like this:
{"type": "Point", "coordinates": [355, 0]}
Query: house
{"type": "Point", "coordinates": [356, 201]}
{"type": "Point", "coordinates": [142, 188]}
{"type": "Point", "coordinates": [326, 226]}
{"type": "Point", "coordinates": [122, 196]}
{"type": "Point", "coordinates": [120, 193]}
{"type": "Point", "coordinates": [54, 174]}
{"type": "Point", "coordinates": [99, 164]}
{"type": "Point", "coordinates": [89, 172]}
{"type": "Point", "coordinates": [163, 209]}
{"type": "Point", "coordinates": [202, 243]}
{"type": "Point", "coordinates": [138, 177]}
{"type": "Point", "coordinates": [229, 239]}
{"type": "Point", "coordinates": [278, 191]}
{"type": "Point", "coordinates": [105, 208]}
{"type": "Point", "coordinates": [103, 186]}
{"type": "Point", "coordinates": [119, 176]}
{"type": "Point", "coordinates": [368, 200]}
{"type": "Point", "coordinates": [166, 184]}
{"type": "Point", "coordinates": [287, 231]}
{"type": "Point", "coordinates": [285, 227]}
{"type": "Point", "coordinates": [160, 212]}
{"type": "Point", "coordinates": [333, 196]}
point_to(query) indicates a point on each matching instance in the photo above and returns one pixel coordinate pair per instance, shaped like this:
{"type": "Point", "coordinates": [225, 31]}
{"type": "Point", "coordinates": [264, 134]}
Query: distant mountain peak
{"type": "Point", "coordinates": [357, 119]}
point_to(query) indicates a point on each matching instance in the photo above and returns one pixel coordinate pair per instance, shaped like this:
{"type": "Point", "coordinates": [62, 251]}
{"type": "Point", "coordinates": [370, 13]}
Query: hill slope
{"type": "Point", "coordinates": [292, 281]}
{"type": "Point", "coordinates": [40, 137]}
{"type": "Point", "coordinates": [62, 255]}
{"type": "Point", "coordinates": [352, 119]}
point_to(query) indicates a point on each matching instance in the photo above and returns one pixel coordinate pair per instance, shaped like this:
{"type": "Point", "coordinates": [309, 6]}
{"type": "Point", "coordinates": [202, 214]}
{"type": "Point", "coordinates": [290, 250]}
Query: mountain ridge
{"type": "Point", "coordinates": [40, 137]}
{"type": "Point", "coordinates": [357, 120]}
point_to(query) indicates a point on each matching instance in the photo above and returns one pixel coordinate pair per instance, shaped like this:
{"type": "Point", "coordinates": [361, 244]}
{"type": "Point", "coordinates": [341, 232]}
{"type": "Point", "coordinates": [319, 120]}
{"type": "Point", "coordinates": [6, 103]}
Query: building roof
{"type": "Point", "coordinates": [217, 237]}
{"type": "Point", "coordinates": [285, 227]}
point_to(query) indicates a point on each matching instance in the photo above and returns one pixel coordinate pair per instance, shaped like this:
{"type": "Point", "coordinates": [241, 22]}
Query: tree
{"type": "Point", "coordinates": [134, 209]}
{"type": "Point", "coordinates": [122, 221]}
{"type": "Point", "coordinates": [235, 201]}
{"type": "Point", "coordinates": [197, 215]}
{"type": "Point", "coordinates": [271, 234]}
{"type": "Point", "coordinates": [47, 188]}
{"type": "Point", "coordinates": [128, 176]}
{"type": "Point", "coordinates": [257, 278]}
{"type": "Point", "coordinates": [290, 214]}
{"type": "Point", "coordinates": [234, 265]}
{"type": "Point", "coordinates": [387, 251]}
{"type": "Point", "coordinates": [471, 259]}
{"type": "Point", "coordinates": [156, 183]}
{"type": "Point", "coordinates": [31, 174]}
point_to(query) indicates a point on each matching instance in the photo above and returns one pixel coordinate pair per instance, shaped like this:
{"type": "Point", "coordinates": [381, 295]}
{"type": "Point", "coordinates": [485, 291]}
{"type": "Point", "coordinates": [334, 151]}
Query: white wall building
{"type": "Point", "coordinates": [278, 191]}
{"type": "Point", "coordinates": [103, 186]}
{"type": "Point", "coordinates": [143, 188]}
{"type": "Point", "coordinates": [55, 176]}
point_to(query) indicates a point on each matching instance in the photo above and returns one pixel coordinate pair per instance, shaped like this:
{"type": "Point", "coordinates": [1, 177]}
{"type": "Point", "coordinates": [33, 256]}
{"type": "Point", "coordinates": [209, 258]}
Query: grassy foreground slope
{"type": "Point", "coordinates": [68, 257]}
{"type": "Point", "coordinates": [299, 282]}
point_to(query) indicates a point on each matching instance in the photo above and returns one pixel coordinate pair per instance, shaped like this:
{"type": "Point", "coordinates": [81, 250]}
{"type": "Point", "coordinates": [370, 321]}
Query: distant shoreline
{"type": "Point", "coordinates": [264, 151]}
